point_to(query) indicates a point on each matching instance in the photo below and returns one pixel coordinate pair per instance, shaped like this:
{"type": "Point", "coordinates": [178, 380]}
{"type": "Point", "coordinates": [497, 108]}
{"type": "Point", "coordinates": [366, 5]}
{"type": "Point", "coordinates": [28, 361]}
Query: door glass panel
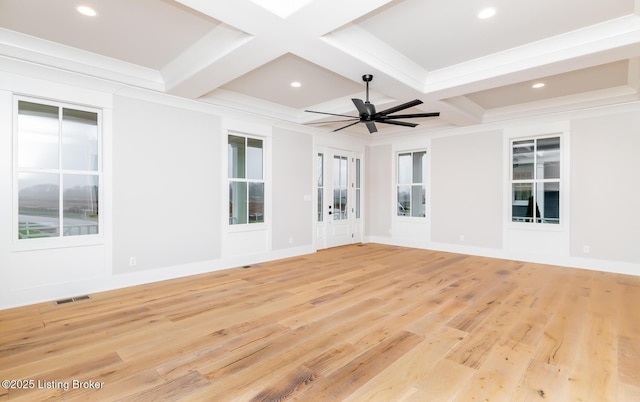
{"type": "Point", "coordinates": [320, 184]}
{"type": "Point", "coordinates": [340, 175]}
{"type": "Point", "coordinates": [357, 188]}
{"type": "Point", "coordinates": [38, 205]}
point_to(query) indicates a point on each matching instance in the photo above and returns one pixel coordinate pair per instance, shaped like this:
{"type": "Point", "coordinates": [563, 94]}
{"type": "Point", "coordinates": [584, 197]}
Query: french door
{"type": "Point", "coordinates": [339, 197]}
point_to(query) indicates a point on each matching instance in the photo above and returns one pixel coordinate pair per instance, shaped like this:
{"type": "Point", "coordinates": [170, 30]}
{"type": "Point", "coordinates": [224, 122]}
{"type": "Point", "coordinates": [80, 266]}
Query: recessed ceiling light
{"type": "Point", "coordinates": [296, 84]}
{"type": "Point", "coordinates": [86, 10]}
{"type": "Point", "coordinates": [487, 13]}
{"type": "Point", "coordinates": [537, 85]}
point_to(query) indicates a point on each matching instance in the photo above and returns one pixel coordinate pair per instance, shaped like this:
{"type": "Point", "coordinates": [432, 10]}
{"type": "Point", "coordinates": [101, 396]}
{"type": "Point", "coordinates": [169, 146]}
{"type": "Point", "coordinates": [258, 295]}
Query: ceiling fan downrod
{"type": "Point", "coordinates": [367, 79]}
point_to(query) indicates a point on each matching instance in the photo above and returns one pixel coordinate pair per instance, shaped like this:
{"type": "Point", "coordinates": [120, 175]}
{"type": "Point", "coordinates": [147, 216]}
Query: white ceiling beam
{"type": "Point", "coordinates": [212, 48]}
{"type": "Point", "coordinates": [223, 56]}
{"type": "Point", "coordinates": [587, 47]}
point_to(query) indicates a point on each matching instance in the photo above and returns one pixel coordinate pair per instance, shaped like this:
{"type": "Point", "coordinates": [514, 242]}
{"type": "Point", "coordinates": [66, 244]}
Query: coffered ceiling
{"type": "Point", "coordinates": [244, 54]}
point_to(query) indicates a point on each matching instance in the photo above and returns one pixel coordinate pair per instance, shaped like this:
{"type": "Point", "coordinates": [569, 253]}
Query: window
{"type": "Point", "coordinates": [535, 180]}
{"type": "Point", "coordinates": [411, 190]}
{"type": "Point", "coordinates": [57, 169]}
{"type": "Point", "coordinates": [246, 180]}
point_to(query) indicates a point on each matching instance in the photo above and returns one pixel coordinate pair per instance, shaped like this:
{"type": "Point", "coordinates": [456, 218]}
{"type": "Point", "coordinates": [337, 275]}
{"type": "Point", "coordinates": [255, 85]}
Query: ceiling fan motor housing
{"type": "Point", "coordinates": [371, 110]}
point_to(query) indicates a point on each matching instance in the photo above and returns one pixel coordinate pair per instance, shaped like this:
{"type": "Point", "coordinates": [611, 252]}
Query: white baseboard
{"type": "Point", "coordinates": [23, 297]}
{"type": "Point", "coordinates": [617, 267]}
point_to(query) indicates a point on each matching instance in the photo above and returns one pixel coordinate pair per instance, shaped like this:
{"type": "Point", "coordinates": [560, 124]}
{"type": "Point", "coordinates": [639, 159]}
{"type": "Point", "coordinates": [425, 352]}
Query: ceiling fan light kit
{"type": "Point", "coordinates": [367, 113]}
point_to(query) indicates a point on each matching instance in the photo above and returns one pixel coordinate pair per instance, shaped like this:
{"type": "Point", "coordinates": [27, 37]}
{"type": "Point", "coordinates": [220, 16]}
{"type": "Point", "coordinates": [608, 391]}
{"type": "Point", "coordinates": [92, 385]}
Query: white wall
{"type": "Point", "coordinates": [469, 191]}
{"type": "Point", "coordinates": [605, 187]}
{"type": "Point", "coordinates": [377, 200]}
{"type": "Point", "coordinates": [166, 178]}
{"type": "Point", "coordinates": [466, 189]}
{"type": "Point", "coordinates": [292, 197]}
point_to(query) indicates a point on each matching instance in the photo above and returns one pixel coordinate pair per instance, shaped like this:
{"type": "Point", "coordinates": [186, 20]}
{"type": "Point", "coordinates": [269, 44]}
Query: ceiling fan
{"type": "Point", "coordinates": [369, 116]}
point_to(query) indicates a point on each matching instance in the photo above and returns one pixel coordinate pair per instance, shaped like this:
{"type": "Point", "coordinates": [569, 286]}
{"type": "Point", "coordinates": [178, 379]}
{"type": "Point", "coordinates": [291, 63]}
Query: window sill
{"type": "Point", "coordinates": [540, 227]}
{"type": "Point", "coordinates": [23, 245]}
{"type": "Point", "coordinates": [247, 227]}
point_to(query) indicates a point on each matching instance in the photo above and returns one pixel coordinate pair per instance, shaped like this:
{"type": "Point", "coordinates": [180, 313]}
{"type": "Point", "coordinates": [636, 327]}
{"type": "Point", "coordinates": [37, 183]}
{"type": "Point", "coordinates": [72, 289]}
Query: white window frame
{"type": "Point", "coordinates": [544, 130]}
{"type": "Point", "coordinates": [59, 241]}
{"type": "Point", "coordinates": [248, 225]}
{"type": "Point", "coordinates": [425, 183]}
{"type": "Point", "coordinates": [535, 180]}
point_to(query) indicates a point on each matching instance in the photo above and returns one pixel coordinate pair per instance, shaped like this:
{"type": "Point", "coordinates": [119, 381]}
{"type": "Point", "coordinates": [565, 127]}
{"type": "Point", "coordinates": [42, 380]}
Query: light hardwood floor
{"type": "Point", "coordinates": [354, 323]}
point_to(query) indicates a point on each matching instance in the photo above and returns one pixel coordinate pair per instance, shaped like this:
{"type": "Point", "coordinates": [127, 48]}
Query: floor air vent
{"type": "Point", "coordinates": [72, 299]}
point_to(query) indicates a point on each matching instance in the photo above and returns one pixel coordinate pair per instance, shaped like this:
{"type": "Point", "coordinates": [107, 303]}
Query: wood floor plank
{"type": "Point", "coordinates": [360, 323]}
{"type": "Point", "coordinates": [392, 383]}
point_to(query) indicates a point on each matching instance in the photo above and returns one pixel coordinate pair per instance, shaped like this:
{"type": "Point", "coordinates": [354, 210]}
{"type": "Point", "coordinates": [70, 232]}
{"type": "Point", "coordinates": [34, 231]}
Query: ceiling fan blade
{"type": "Point", "coordinates": [332, 121]}
{"type": "Point", "coordinates": [400, 107]}
{"type": "Point", "coordinates": [362, 109]}
{"type": "Point", "coordinates": [348, 125]}
{"type": "Point", "coordinates": [411, 116]}
{"type": "Point", "coordinates": [397, 123]}
{"type": "Point", "coordinates": [332, 114]}
{"type": "Point", "coordinates": [372, 127]}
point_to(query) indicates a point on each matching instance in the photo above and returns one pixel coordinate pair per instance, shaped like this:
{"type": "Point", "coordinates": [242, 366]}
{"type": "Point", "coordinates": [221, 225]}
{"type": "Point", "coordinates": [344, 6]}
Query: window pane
{"type": "Point", "coordinates": [38, 205]}
{"type": "Point", "coordinates": [418, 166]}
{"type": "Point", "coordinates": [256, 202]}
{"type": "Point", "coordinates": [548, 200]}
{"type": "Point", "coordinates": [418, 201]}
{"type": "Point", "coordinates": [522, 203]}
{"type": "Point", "coordinates": [404, 168]}
{"type": "Point", "coordinates": [37, 136]}
{"type": "Point", "coordinates": [79, 205]}
{"type": "Point", "coordinates": [404, 200]}
{"type": "Point", "coordinates": [357, 173]}
{"type": "Point", "coordinates": [79, 140]}
{"type": "Point", "coordinates": [523, 160]}
{"type": "Point", "coordinates": [548, 158]}
{"type": "Point", "coordinates": [254, 158]}
{"type": "Point", "coordinates": [358, 203]}
{"type": "Point", "coordinates": [236, 157]}
{"type": "Point", "coordinates": [237, 203]}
